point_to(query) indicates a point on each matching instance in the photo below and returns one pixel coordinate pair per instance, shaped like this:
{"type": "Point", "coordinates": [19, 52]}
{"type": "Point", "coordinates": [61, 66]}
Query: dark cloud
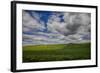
{"type": "Point", "coordinates": [75, 24]}
{"type": "Point", "coordinates": [72, 29]}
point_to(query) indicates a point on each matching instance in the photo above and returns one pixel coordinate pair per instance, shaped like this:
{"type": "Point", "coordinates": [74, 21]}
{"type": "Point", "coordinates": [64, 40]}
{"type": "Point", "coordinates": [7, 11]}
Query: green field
{"type": "Point", "coordinates": [56, 52]}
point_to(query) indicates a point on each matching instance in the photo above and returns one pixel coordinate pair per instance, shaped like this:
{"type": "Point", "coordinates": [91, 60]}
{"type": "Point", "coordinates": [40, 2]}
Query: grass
{"type": "Point", "coordinates": [56, 52]}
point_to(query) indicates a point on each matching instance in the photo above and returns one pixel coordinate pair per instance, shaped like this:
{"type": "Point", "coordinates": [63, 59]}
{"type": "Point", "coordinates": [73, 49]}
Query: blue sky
{"type": "Point", "coordinates": [41, 27]}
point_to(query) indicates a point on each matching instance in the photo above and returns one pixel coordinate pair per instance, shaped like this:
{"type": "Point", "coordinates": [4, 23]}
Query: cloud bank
{"type": "Point", "coordinates": [62, 28]}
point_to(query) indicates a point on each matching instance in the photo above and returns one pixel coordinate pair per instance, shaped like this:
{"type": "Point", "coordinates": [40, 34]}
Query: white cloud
{"type": "Point", "coordinates": [74, 27]}
{"type": "Point", "coordinates": [31, 23]}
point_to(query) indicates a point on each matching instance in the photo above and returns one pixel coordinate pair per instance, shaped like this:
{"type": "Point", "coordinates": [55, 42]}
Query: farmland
{"type": "Point", "coordinates": [56, 52]}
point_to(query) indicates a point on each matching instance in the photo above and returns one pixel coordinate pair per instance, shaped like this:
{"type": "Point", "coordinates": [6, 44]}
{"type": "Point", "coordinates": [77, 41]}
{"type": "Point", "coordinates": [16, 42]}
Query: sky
{"type": "Point", "coordinates": [49, 27]}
